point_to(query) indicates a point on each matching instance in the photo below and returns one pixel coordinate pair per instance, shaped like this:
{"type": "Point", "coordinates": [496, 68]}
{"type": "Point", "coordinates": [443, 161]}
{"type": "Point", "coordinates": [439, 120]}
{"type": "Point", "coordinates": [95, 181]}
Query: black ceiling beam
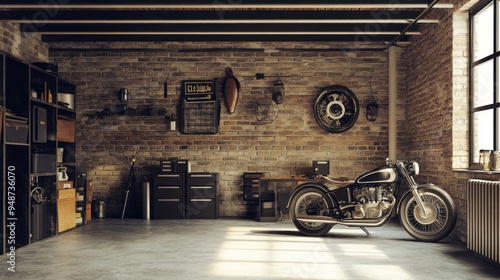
{"type": "Point", "coordinates": [214, 38]}
{"type": "Point", "coordinates": [180, 28]}
{"type": "Point", "coordinates": [208, 3]}
{"type": "Point", "coordinates": [203, 15]}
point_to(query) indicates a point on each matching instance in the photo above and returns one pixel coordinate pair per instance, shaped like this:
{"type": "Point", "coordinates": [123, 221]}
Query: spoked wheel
{"type": "Point", "coordinates": [433, 224]}
{"type": "Point", "coordinates": [310, 201]}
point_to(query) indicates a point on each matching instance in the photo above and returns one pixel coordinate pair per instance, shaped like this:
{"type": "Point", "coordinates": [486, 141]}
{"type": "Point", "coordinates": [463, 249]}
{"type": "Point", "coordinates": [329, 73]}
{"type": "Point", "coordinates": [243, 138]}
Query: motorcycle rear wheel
{"type": "Point", "coordinates": [307, 198]}
{"type": "Point", "coordinates": [440, 217]}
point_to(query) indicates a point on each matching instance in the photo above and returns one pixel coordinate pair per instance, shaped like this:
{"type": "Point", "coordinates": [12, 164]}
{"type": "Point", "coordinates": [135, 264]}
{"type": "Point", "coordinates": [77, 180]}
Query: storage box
{"type": "Point", "coordinates": [66, 213]}
{"type": "Point", "coordinates": [16, 132]}
{"type": "Point", "coordinates": [64, 185]}
{"type": "Point", "coordinates": [321, 167]}
{"type": "Point", "coordinates": [68, 193]}
{"type": "Point", "coordinates": [43, 163]}
{"type": "Point", "coordinates": [66, 129]}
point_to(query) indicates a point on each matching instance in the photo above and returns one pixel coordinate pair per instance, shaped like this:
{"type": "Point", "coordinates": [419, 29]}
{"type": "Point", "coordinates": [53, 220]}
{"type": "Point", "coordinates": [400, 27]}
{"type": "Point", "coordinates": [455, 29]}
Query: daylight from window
{"type": "Point", "coordinates": [483, 82]}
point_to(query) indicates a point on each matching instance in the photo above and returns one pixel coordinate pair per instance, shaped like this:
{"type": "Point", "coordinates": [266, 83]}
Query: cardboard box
{"type": "Point", "coordinates": [61, 185]}
{"type": "Point", "coordinates": [67, 193]}
{"type": "Point", "coordinates": [66, 213]}
{"type": "Point", "coordinates": [66, 129]}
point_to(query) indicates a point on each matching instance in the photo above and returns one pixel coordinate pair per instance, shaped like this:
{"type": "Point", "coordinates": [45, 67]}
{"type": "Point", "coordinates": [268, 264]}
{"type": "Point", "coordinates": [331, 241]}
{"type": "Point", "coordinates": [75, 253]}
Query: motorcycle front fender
{"type": "Point", "coordinates": [305, 185]}
{"type": "Point", "coordinates": [408, 192]}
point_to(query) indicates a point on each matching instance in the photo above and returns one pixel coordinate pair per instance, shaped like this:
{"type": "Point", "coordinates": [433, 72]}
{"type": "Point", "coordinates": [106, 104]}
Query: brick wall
{"type": "Point", "coordinates": [284, 147]}
{"type": "Point", "coordinates": [26, 46]}
{"type": "Point", "coordinates": [437, 107]}
{"type": "Point", "coordinates": [432, 102]}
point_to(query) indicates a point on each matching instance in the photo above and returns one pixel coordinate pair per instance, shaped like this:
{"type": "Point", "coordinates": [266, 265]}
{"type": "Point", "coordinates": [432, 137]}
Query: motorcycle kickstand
{"type": "Point", "coordinates": [365, 230]}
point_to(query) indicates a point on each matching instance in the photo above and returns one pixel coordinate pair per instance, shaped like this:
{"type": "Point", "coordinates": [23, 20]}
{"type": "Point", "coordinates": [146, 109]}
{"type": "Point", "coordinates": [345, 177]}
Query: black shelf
{"type": "Point", "coordinates": [29, 103]}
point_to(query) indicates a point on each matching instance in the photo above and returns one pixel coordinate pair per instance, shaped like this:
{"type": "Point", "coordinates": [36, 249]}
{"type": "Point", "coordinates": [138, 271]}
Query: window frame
{"type": "Point", "coordinates": [474, 64]}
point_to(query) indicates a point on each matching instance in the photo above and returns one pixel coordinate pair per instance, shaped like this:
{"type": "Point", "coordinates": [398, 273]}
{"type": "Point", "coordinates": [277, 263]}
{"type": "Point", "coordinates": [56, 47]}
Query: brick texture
{"type": "Point", "coordinates": [26, 46]}
{"type": "Point", "coordinates": [437, 107]}
{"type": "Point", "coordinates": [432, 106]}
{"type": "Point", "coordinates": [284, 147]}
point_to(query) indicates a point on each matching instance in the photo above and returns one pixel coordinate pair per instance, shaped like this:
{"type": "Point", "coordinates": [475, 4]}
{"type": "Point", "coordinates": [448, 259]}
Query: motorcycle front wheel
{"type": "Point", "coordinates": [310, 201]}
{"type": "Point", "coordinates": [438, 220]}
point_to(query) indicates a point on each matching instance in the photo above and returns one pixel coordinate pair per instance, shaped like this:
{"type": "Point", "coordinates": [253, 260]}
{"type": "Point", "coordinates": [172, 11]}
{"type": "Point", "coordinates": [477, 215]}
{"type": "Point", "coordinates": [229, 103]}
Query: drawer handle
{"type": "Point", "coordinates": [168, 199]}
{"type": "Point", "coordinates": [200, 199]}
{"type": "Point", "coordinates": [201, 187]}
{"type": "Point", "coordinates": [201, 176]}
{"type": "Point", "coordinates": [168, 175]}
{"type": "Point", "coordinates": [168, 187]}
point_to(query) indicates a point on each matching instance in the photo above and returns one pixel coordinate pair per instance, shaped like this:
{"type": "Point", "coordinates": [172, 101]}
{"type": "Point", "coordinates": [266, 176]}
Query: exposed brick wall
{"type": "Point", "coordinates": [429, 105]}
{"type": "Point", "coordinates": [284, 147]}
{"type": "Point", "coordinates": [437, 107]}
{"type": "Point", "coordinates": [26, 46]}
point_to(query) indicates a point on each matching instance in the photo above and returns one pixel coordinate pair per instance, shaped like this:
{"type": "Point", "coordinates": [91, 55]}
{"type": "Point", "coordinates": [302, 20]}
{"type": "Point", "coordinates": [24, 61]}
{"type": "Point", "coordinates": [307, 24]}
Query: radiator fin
{"type": "Point", "coordinates": [483, 218]}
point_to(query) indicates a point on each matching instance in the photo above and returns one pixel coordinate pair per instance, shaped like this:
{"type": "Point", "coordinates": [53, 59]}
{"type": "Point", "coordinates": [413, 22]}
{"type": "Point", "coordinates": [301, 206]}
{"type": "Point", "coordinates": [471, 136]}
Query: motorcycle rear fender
{"type": "Point", "coordinates": [408, 192]}
{"type": "Point", "coordinates": [306, 185]}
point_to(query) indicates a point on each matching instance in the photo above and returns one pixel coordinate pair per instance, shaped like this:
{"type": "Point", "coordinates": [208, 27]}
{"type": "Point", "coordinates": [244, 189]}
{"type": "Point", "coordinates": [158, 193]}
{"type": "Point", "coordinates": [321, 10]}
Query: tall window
{"type": "Point", "coordinates": [484, 78]}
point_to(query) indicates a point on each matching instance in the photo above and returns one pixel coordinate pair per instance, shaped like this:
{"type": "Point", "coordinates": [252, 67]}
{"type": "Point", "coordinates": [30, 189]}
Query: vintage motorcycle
{"type": "Point", "coordinates": [425, 211]}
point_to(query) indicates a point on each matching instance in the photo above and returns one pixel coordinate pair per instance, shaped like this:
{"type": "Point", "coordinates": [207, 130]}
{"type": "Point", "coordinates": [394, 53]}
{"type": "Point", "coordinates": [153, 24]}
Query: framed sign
{"type": "Point", "coordinates": [200, 109]}
{"type": "Point", "coordinates": [199, 90]}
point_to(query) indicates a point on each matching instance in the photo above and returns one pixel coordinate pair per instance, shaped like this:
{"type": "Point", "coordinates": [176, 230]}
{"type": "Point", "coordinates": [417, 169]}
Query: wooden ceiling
{"type": "Point", "coordinates": [390, 22]}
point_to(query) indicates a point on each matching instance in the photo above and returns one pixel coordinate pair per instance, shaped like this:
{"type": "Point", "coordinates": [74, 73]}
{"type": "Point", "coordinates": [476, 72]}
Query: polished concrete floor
{"type": "Point", "coordinates": [239, 249]}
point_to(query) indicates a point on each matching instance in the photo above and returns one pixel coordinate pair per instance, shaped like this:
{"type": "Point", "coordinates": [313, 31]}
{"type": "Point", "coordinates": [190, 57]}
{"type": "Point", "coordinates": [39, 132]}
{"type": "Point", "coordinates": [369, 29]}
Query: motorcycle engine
{"type": "Point", "coordinates": [371, 201]}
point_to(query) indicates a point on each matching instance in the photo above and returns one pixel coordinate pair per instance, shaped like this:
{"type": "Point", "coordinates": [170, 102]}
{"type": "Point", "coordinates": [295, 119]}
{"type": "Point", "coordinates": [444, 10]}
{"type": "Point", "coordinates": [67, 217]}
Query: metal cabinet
{"type": "Point", "coordinates": [168, 196]}
{"type": "Point", "coordinates": [202, 196]}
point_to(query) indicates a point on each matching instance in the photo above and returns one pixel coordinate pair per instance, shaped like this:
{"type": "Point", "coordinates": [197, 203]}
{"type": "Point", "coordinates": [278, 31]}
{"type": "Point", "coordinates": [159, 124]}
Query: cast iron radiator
{"type": "Point", "coordinates": [483, 218]}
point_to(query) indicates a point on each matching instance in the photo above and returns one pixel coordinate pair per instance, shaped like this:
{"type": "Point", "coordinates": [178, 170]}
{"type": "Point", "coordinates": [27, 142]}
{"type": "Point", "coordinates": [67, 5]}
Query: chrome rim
{"type": "Point", "coordinates": [434, 218]}
{"type": "Point", "coordinates": [304, 201]}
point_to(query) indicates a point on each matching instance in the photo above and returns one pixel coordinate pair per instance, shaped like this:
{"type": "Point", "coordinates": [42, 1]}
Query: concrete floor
{"type": "Point", "coordinates": [239, 249]}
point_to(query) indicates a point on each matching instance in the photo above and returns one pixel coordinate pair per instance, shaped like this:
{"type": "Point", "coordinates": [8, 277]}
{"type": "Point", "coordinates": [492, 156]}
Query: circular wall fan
{"type": "Point", "coordinates": [266, 110]}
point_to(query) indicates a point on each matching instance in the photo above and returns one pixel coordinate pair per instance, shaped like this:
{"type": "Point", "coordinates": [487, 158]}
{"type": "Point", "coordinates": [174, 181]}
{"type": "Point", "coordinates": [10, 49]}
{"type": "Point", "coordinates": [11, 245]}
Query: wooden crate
{"type": "Point", "coordinates": [66, 129]}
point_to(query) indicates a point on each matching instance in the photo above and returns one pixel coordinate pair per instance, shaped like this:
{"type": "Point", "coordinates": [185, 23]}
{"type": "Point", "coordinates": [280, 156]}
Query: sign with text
{"type": "Point", "coordinates": [194, 91]}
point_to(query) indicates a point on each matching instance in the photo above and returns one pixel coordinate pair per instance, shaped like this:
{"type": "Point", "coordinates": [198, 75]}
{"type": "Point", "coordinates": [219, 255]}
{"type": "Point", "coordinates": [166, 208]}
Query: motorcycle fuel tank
{"type": "Point", "coordinates": [382, 175]}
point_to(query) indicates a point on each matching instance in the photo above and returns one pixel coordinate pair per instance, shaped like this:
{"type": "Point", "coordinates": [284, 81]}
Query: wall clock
{"type": "Point", "coordinates": [336, 109]}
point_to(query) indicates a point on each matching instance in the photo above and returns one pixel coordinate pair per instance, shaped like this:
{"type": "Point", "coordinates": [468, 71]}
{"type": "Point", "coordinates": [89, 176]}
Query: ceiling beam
{"type": "Point", "coordinates": [217, 38]}
{"type": "Point", "coordinates": [196, 16]}
{"type": "Point", "coordinates": [202, 14]}
{"type": "Point", "coordinates": [226, 21]}
{"type": "Point", "coordinates": [157, 28]}
{"type": "Point", "coordinates": [218, 5]}
{"type": "Point", "coordinates": [269, 33]}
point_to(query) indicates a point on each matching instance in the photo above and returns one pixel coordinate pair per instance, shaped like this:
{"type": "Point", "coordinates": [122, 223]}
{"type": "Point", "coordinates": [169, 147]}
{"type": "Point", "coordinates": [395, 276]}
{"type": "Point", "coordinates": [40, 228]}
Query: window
{"type": "Point", "coordinates": [484, 57]}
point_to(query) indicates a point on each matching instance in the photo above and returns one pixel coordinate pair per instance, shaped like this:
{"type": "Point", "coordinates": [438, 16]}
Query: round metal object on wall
{"type": "Point", "coordinates": [267, 110]}
{"type": "Point", "coordinates": [336, 109]}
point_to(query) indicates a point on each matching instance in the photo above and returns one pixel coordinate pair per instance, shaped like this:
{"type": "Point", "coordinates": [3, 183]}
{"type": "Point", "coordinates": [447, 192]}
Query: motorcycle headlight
{"type": "Point", "coordinates": [413, 168]}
